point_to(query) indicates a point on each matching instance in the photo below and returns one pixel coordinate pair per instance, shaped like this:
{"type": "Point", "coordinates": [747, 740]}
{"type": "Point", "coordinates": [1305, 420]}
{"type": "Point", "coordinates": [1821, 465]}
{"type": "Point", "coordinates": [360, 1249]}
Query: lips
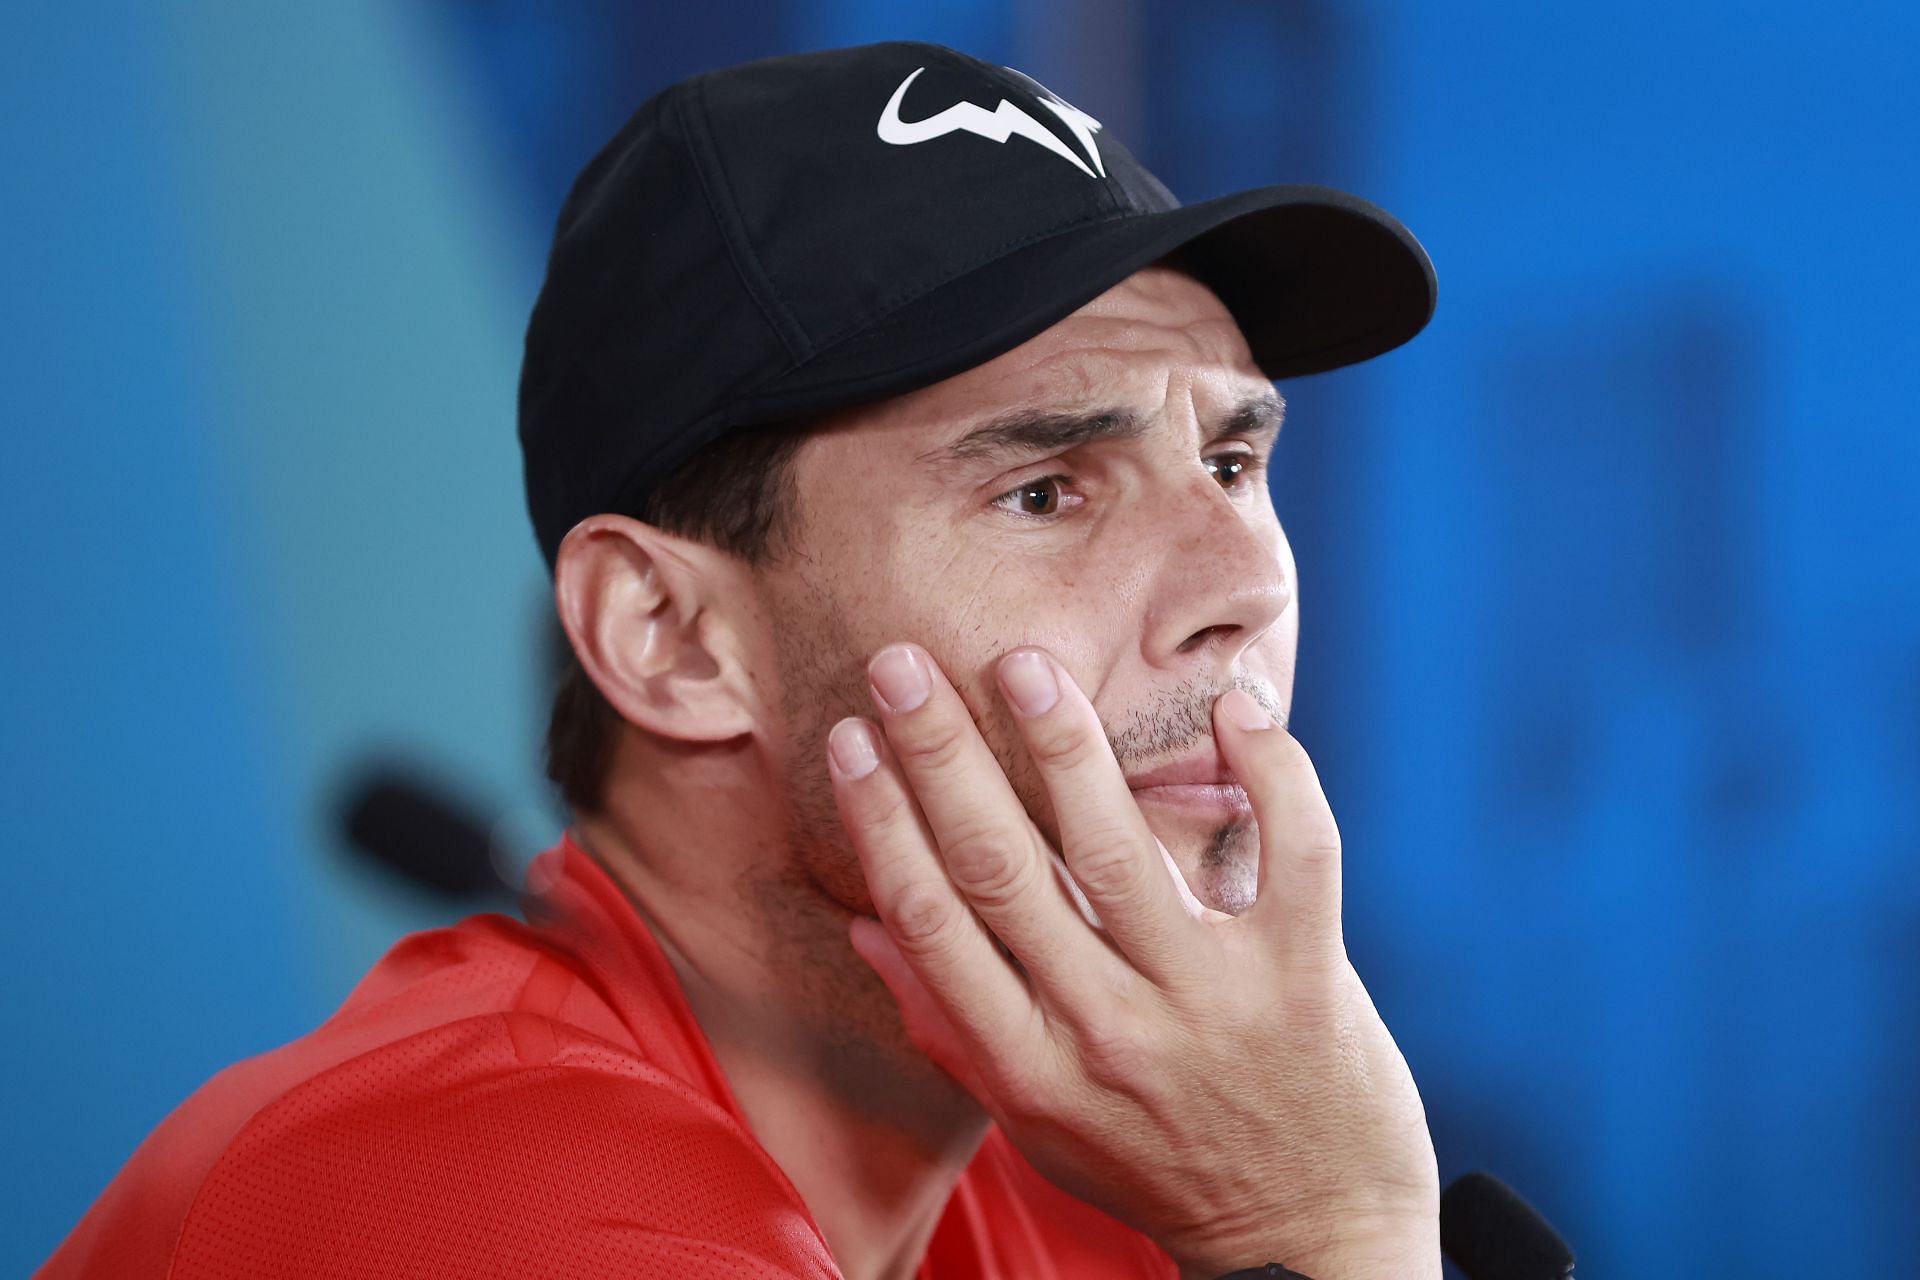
{"type": "Point", "coordinates": [1197, 771]}
{"type": "Point", "coordinates": [1202, 785]}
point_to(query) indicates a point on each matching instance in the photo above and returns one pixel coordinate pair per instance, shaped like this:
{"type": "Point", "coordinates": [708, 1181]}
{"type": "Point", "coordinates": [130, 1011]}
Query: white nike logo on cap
{"type": "Point", "coordinates": [1003, 122]}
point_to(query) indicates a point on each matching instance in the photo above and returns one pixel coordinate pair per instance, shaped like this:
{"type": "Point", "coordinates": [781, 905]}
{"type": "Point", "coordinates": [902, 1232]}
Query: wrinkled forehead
{"type": "Point", "coordinates": [1159, 338]}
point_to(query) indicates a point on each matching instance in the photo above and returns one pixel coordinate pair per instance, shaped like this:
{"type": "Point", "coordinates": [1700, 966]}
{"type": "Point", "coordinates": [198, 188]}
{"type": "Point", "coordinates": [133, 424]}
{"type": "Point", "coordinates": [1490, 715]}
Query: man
{"type": "Point", "coordinates": [945, 897]}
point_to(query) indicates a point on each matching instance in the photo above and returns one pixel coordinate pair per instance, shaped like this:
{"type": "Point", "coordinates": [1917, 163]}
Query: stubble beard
{"type": "Point", "coordinates": [804, 903]}
{"type": "Point", "coordinates": [855, 1042]}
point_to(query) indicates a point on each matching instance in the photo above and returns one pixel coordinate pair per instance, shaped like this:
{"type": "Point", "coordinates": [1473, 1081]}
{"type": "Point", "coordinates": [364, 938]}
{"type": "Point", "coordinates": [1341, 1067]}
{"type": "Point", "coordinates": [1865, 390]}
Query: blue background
{"type": "Point", "coordinates": [1611, 647]}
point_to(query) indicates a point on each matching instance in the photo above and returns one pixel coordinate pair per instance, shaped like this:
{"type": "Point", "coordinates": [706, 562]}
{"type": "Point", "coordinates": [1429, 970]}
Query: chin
{"type": "Point", "coordinates": [1220, 858]}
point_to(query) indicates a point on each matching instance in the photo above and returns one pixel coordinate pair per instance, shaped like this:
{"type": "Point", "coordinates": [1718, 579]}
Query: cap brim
{"type": "Point", "coordinates": [1316, 278]}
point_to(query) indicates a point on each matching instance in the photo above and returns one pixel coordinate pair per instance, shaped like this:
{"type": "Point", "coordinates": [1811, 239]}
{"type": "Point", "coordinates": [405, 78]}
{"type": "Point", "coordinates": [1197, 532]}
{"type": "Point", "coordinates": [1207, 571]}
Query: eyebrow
{"type": "Point", "coordinates": [1255, 416]}
{"type": "Point", "coordinates": [1024, 431]}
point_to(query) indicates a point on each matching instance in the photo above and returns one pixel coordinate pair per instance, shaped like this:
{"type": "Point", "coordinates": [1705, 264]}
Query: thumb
{"type": "Point", "coordinates": [926, 1022]}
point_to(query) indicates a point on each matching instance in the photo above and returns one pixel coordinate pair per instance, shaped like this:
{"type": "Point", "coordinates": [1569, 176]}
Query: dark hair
{"type": "Point", "coordinates": [735, 494]}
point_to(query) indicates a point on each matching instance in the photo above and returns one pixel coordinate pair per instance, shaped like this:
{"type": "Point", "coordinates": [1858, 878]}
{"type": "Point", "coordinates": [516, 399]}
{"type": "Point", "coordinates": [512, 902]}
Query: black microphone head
{"type": "Point", "coordinates": [427, 836]}
{"type": "Point", "coordinates": [1492, 1234]}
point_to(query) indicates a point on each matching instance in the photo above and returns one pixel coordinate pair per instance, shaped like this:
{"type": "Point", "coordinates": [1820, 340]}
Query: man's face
{"type": "Point", "coordinates": [1099, 492]}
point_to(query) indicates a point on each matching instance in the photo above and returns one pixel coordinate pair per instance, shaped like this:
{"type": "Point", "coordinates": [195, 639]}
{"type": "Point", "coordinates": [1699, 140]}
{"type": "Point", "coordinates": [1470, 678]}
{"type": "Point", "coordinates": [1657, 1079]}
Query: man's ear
{"type": "Point", "coordinates": [658, 624]}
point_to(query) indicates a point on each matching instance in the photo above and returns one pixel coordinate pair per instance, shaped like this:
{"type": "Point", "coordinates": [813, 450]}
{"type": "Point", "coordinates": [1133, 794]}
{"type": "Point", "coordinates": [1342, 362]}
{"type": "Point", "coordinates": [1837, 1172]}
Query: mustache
{"type": "Point", "coordinates": [1180, 718]}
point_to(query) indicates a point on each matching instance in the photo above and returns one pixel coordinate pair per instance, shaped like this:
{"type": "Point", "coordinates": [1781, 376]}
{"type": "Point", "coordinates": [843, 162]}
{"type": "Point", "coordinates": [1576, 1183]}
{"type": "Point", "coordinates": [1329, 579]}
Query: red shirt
{"type": "Point", "coordinates": [499, 1099]}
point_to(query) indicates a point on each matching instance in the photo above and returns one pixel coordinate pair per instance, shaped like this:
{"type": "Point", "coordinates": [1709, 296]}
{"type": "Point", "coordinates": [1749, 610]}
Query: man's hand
{"type": "Point", "coordinates": [1222, 1084]}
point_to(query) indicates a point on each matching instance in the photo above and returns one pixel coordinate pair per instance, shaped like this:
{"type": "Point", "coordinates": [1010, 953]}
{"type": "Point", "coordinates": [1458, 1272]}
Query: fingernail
{"type": "Point", "coordinates": [1028, 679]}
{"type": "Point", "coordinates": [851, 746]}
{"type": "Point", "coordinates": [899, 678]}
{"type": "Point", "coordinates": [1243, 712]}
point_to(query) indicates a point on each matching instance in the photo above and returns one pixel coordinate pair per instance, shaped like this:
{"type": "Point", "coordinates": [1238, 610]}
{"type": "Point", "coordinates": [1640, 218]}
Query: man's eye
{"type": "Point", "coordinates": [1042, 497]}
{"type": "Point", "coordinates": [1228, 468]}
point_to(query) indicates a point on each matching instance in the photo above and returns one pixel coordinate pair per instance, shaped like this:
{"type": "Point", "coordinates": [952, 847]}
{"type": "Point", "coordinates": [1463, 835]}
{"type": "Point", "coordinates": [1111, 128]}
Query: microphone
{"type": "Point", "coordinates": [1490, 1233]}
{"type": "Point", "coordinates": [427, 837]}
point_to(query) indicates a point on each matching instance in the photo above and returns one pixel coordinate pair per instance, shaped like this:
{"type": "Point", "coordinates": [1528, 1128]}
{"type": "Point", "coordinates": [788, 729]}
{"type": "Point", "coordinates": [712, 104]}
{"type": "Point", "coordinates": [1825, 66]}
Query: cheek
{"type": "Point", "coordinates": [1077, 603]}
{"type": "Point", "coordinates": [967, 607]}
{"type": "Point", "coordinates": [973, 615]}
{"type": "Point", "coordinates": [977, 618]}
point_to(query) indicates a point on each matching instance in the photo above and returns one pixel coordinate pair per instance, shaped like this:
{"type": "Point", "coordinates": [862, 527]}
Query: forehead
{"type": "Point", "coordinates": [1157, 334]}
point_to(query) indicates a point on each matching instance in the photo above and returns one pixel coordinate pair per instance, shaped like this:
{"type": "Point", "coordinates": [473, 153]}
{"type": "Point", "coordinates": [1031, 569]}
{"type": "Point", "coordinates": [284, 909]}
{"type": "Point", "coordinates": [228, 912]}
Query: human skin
{"type": "Point", "coordinates": [1149, 568]}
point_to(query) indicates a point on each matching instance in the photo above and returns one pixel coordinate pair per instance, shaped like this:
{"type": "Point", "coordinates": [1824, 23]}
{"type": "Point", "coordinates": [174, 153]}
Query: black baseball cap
{"type": "Point", "coordinates": [766, 242]}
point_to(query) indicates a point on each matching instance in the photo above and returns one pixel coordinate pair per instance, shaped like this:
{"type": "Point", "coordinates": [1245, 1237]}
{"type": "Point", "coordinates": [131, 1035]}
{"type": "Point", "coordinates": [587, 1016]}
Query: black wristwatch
{"type": "Point", "coordinates": [1272, 1271]}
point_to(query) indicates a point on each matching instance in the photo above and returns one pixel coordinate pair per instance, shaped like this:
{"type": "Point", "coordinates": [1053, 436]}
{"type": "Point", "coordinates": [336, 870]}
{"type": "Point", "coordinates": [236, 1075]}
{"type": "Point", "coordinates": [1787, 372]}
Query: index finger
{"type": "Point", "coordinates": [1113, 855]}
{"type": "Point", "coordinates": [987, 843]}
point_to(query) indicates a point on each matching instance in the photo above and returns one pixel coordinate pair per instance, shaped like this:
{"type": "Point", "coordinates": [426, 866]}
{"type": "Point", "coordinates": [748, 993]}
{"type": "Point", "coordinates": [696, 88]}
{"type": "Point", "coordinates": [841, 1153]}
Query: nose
{"type": "Point", "coordinates": [1224, 578]}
